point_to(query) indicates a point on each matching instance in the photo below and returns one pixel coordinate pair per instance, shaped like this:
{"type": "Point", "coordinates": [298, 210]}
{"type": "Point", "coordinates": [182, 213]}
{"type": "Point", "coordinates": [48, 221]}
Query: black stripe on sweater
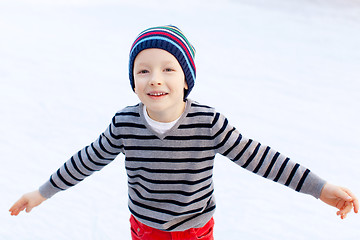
{"type": "Point", "coordinates": [195, 216]}
{"type": "Point", "coordinates": [195, 125]}
{"type": "Point", "coordinates": [288, 181]}
{"type": "Point", "coordinates": [200, 106]}
{"type": "Point", "coordinates": [189, 138]}
{"type": "Point", "coordinates": [302, 180]}
{"type": "Point", "coordinates": [165, 182]}
{"type": "Point", "coordinates": [243, 150]}
{"type": "Point", "coordinates": [171, 149]}
{"type": "Point", "coordinates": [245, 165]}
{"type": "Point", "coordinates": [97, 154]}
{"type": "Point", "coordinates": [73, 162]}
{"type": "Point", "coordinates": [135, 136]}
{"type": "Point", "coordinates": [281, 170]}
{"type": "Point", "coordinates": [170, 160]}
{"type": "Point", "coordinates": [102, 147]}
{"type": "Point", "coordinates": [195, 114]}
{"type": "Point", "coordinates": [54, 184]}
{"type": "Point", "coordinates": [70, 174]}
{"type": "Point", "coordinates": [129, 124]}
{"type": "Point", "coordinates": [109, 141]}
{"type": "Point", "coordinates": [225, 139]}
{"type": "Point", "coordinates": [134, 114]}
{"type": "Point", "coordinates": [83, 164]}
{"type": "Point", "coordinates": [63, 179]}
{"type": "Point", "coordinates": [272, 163]}
{"type": "Point", "coordinates": [171, 171]}
{"type": "Point", "coordinates": [234, 145]}
{"type": "Point", "coordinates": [216, 118]}
{"type": "Point", "coordinates": [262, 160]}
{"type": "Point", "coordinates": [137, 215]}
{"type": "Point", "coordinates": [222, 129]}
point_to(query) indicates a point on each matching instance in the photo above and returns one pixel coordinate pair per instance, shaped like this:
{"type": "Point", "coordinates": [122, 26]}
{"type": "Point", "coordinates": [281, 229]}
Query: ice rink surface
{"type": "Point", "coordinates": [284, 72]}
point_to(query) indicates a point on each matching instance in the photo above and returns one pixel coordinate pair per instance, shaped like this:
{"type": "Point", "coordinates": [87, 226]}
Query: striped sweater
{"type": "Point", "coordinates": [170, 181]}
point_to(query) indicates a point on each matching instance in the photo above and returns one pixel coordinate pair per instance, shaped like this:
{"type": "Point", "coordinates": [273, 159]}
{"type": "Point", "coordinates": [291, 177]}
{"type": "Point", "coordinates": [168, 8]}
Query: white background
{"type": "Point", "coordinates": [285, 73]}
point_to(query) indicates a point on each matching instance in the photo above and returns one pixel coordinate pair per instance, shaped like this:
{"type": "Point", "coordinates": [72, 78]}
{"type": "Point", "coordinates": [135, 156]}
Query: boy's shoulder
{"type": "Point", "coordinates": [128, 113]}
{"type": "Point", "coordinates": [199, 108]}
{"type": "Point", "coordinates": [199, 112]}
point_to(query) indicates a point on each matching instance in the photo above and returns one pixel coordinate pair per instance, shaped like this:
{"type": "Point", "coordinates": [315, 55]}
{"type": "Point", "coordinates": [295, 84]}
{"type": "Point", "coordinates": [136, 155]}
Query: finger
{"type": "Point", "coordinates": [28, 209]}
{"type": "Point", "coordinates": [344, 194]}
{"type": "Point", "coordinates": [349, 193]}
{"type": "Point", "coordinates": [16, 205]}
{"type": "Point", "coordinates": [355, 201]}
{"type": "Point", "coordinates": [346, 209]}
{"type": "Point", "coordinates": [22, 208]}
{"type": "Point", "coordinates": [13, 213]}
{"type": "Point", "coordinates": [19, 206]}
{"type": "Point", "coordinates": [356, 205]}
{"type": "Point", "coordinates": [341, 214]}
{"type": "Point", "coordinates": [16, 211]}
{"type": "Point", "coordinates": [22, 201]}
{"type": "Point", "coordinates": [340, 204]}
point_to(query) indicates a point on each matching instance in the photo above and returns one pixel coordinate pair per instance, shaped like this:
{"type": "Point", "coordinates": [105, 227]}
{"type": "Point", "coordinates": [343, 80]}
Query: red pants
{"type": "Point", "coordinates": [141, 231]}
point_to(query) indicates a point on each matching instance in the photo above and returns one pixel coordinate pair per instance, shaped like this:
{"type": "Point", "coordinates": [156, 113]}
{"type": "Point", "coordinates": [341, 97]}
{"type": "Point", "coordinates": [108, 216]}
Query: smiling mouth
{"type": "Point", "coordinates": [157, 94]}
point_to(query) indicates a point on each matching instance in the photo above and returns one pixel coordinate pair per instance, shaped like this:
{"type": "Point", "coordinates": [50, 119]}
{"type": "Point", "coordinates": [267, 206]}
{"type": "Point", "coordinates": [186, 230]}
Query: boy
{"type": "Point", "coordinates": [170, 143]}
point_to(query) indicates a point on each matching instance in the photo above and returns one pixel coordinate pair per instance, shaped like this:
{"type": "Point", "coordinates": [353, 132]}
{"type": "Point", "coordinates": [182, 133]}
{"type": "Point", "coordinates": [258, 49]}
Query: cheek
{"type": "Point", "coordinates": [138, 85]}
{"type": "Point", "coordinates": [178, 82]}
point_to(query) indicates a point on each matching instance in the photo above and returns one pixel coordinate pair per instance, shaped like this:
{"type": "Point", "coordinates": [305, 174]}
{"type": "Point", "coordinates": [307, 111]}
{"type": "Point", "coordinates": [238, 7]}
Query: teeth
{"type": "Point", "coordinates": [157, 94]}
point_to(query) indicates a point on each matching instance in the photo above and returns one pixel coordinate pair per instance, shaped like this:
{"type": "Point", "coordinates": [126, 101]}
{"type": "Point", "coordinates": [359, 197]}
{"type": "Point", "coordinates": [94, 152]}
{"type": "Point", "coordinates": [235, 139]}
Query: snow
{"type": "Point", "coordinates": [285, 72]}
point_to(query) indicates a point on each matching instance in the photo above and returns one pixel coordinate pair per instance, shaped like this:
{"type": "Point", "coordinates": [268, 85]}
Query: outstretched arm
{"type": "Point", "coordinates": [341, 198]}
{"type": "Point", "coordinates": [28, 201]}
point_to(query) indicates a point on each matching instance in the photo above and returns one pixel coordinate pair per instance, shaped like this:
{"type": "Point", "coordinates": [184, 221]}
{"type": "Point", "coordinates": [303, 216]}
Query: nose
{"type": "Point", "coordinates": [156, 79]}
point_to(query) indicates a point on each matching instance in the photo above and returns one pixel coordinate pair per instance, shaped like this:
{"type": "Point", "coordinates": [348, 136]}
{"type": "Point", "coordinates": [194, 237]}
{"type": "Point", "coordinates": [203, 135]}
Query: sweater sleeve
{"type": "Point", "coordinates": [263, 160]}
{"type": "Point", "coordinates": [85, 162]}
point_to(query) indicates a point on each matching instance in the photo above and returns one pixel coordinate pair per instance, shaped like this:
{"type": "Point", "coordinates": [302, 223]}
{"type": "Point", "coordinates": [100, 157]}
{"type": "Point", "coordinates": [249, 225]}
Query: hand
{"type": "Point", "coordinates": [28, 201]}
{"type": "Point", "coordinates": [341, 198]}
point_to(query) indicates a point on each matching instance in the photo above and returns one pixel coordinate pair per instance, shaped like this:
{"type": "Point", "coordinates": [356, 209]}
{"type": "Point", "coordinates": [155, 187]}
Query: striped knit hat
{"type": "Point", "coordinates": [171, 39]}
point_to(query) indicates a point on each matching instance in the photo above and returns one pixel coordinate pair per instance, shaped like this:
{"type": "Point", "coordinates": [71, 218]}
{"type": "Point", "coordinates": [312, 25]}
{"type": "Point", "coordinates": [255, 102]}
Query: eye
{"type": "Point", "coordinates": [144, 71]}
{"type": "Point", "coordinates": [169, 70]}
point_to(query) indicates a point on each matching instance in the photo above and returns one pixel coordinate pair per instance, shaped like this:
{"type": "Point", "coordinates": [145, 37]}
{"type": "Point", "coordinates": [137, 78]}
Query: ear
{"type": "Point", "coordinates": [186, 85]}
{"type": "Point", "coordinates": [134, 87]}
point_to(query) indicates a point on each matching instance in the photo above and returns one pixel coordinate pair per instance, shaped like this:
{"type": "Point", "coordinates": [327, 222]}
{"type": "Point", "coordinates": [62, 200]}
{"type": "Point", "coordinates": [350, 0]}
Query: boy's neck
{"type": "Point", "coordinates": [168, 115]}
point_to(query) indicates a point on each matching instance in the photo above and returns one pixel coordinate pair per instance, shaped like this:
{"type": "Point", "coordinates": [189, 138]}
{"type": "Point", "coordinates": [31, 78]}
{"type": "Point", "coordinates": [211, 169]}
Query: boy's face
{"type": "Point", "coordinates": [159, 84]}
